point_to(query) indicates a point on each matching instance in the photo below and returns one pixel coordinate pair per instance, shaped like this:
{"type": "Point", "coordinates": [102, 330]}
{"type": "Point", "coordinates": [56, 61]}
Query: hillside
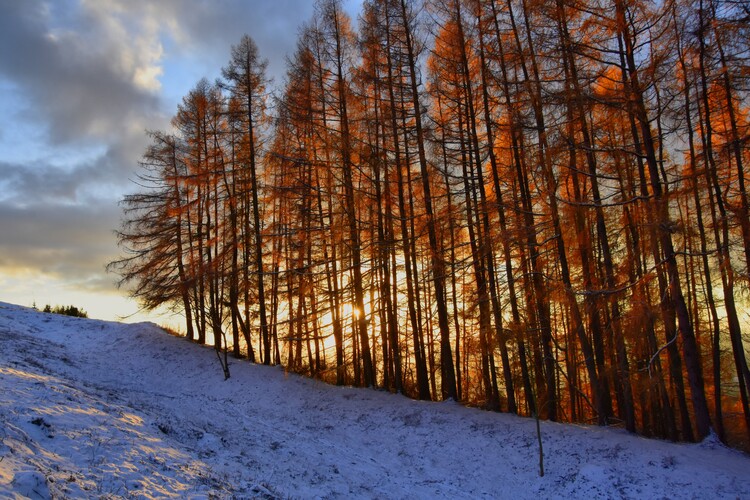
{"type": "Point", "coordinates": [93, 408]}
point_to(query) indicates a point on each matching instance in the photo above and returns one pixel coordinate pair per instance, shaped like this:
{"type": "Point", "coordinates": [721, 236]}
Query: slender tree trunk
{"type": "Point", "coordinates": [689, 345]}
{"type": "Point", "coordinates": [448, 377]}
{"type": "Point", "coordinates": [421, 366]}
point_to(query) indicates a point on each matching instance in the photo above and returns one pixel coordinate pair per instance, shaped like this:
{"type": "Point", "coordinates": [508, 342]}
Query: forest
{"type": "Point", "coordinates": [535, 207]}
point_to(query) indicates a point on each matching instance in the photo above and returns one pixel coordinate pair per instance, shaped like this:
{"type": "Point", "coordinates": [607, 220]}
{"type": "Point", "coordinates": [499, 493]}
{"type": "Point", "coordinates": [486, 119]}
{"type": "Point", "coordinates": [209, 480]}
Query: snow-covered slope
{"type": "Point", "coordinates": [97, 409]}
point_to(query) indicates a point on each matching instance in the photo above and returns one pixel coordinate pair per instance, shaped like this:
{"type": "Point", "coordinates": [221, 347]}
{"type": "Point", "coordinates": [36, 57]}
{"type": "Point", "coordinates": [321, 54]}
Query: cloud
{"type": "Point", "coordinates": [88, 67]}
{"type": "Point", "coordinates": [84, 79]}
{"type": "Point", "coordinates": [202, 31]}
{"type": "Point", "coordinates": [70, 242]}
{"type": "Point", "coordinates": [100, 173]}
{"type": "Point", "coordinates": [89, 74]}
{"type": "Point", "coordinates": [45, 183]}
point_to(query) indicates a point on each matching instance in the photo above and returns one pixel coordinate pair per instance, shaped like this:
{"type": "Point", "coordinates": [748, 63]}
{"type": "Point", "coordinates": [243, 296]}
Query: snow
{"type": "Point", "coordinates": [97, 409]}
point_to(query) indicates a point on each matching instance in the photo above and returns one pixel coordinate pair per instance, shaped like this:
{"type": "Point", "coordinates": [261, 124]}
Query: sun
{"type": "Point", "coordinates": [350, 311]}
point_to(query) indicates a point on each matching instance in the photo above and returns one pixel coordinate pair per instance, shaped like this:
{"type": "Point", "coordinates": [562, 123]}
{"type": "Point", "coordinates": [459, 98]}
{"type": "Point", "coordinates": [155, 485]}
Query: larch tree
{"type": "Point", "coordinates": [245, 75]}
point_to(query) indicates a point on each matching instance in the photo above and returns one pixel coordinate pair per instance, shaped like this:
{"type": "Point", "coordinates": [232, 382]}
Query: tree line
{"type": "Point", "coordinates": [73, 311]}
{"type": "Point", "coordinates": [535, 207]}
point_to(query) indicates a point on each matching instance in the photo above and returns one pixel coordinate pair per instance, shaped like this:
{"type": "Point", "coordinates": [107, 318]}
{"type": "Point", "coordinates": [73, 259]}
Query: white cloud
{"type": "Point", "coordinates": [132, 34]}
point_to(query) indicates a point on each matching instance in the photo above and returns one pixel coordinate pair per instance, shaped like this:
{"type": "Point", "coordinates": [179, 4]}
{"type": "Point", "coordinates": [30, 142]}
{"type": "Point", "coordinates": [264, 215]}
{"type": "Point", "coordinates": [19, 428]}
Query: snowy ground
{"type": "Point", "coordinates": [97, 409]}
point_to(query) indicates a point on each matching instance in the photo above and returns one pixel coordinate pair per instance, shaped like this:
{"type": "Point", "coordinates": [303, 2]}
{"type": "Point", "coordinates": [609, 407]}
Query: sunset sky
{"type": "Point", "coordinates": [80, 82]}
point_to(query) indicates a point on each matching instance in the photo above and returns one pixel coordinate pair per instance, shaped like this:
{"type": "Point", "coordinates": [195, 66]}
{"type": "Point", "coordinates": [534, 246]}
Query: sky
{"type": "Point", "coordinates": [80, 83]}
